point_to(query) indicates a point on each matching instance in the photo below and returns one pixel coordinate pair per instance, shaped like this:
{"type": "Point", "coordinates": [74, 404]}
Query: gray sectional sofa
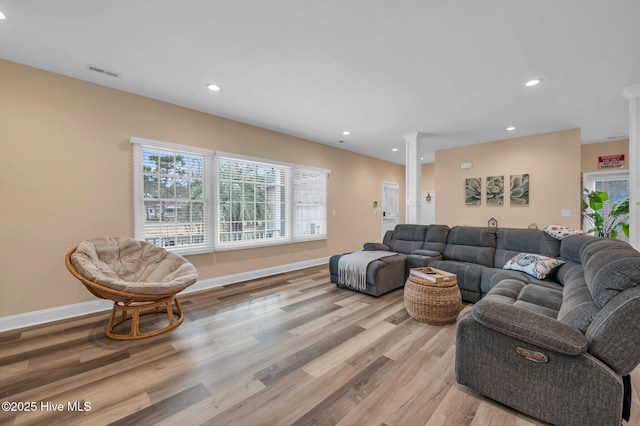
{"type": "Point", "coordinates": [556, 342]}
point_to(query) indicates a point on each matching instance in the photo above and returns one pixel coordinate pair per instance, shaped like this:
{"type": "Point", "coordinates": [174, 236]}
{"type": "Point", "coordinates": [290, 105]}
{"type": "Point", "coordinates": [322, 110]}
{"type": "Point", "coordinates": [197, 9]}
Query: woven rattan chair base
{"type": "Point", "coordinates": [129, 307]}
{"type": "Point", "coordinates": [432, 304]}
{"type": "Point", "coordinates": [131, 312]}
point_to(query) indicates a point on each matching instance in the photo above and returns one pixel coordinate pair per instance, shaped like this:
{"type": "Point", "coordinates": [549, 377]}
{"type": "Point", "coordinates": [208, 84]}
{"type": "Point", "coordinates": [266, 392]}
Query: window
{"type": "Point", "coordinates": [615, 184]}
{"type": "Point", "coordinates": [193, 200]}
{"type": "Point", "coordinates": [310, 198]}
{"type": "Point", "coordinates": [171, 196]}
{"type": "Point", "coordinates": [252, 202]}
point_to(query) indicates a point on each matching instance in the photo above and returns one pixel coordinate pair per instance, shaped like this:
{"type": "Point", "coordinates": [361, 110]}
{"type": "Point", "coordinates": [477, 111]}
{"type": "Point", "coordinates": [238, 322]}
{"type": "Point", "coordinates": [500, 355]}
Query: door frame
{"type": "Point", "coordinates": [384, 220]}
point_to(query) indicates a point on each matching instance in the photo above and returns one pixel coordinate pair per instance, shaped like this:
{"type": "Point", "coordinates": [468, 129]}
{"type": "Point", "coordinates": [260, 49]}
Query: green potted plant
{"type": "Point", "coordinates": [605, 224]}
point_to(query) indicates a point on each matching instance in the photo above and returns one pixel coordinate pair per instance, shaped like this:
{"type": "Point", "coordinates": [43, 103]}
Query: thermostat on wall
{"type": "Point", "coordinates": [466, 165]}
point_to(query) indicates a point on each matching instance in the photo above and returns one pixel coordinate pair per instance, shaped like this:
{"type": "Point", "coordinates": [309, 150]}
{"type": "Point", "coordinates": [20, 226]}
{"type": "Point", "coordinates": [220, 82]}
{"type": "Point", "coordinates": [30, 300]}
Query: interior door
{"type": "Point", "coordinates": [390, 200]}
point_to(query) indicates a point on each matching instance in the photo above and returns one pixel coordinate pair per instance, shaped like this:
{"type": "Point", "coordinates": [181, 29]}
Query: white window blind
{"type": "Point", "coordinates": [253, 205]}
{"type": "Point", "coordinates": [171, 196]}
{"type": "Point", "coordinates": [310, 203]}
{"type": "Point", "coordinates": [193, 200]}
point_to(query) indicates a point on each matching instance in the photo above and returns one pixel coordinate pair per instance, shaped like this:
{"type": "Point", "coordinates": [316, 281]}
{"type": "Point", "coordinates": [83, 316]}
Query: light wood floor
{"type": "Point", "coordinates": [288, 349]}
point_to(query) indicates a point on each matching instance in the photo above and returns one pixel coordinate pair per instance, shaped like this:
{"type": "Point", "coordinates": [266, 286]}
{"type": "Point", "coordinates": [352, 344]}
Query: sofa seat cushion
{"type": "Point", "coordinates": [492, 276]}
{"type": "Point", "coordinates": [468, 274]}
{"type": "Point", "coordinates": [532, 297]}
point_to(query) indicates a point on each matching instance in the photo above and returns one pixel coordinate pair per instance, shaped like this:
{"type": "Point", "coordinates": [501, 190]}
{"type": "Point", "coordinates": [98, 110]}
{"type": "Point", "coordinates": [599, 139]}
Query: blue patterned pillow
{"type": "Point", "coordinates": [559, 232]}
{"type": "Point", "coordinates": [533, 264]}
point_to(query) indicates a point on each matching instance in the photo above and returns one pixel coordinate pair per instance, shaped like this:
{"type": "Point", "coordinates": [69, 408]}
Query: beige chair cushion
{"type": "Point", "coordinates": [132, 266]}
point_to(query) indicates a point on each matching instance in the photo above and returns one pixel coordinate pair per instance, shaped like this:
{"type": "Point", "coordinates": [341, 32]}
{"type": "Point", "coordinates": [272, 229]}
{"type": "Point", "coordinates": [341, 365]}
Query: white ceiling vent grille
{"type": "Point", "coordinates": [103, 71]}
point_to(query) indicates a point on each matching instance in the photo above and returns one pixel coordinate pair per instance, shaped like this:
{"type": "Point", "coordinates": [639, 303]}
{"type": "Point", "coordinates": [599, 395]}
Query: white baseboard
{"type": "Point", "coordinates": [29, 319]}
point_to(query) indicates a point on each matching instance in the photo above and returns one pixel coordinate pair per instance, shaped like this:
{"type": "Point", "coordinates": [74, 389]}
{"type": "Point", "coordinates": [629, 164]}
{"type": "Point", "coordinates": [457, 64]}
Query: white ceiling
{"type": "Point", "coordinates": [454, 70]}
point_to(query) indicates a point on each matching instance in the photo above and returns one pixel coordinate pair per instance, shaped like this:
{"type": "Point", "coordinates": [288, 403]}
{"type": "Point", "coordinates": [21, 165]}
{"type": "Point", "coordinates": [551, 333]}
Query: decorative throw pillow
{"type": "Point", "coordinates": [560, 232]}
{"type": "Point", "coordinates": [533, 264]}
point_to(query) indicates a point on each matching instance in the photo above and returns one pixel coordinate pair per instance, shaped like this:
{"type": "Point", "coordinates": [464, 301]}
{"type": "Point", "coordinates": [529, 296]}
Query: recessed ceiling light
{"type": "Point", "coordinates": [533, 82]}
{"type": "Point", "coordinates": [2, 16]}
{"type": "Point", "coordinates": [213, 87]}
{"type": "Point", "coordinates": [346, 132]}
{"type": "Point", "coordinates": [510, 129]}
{"type": "Point", "coordinates": [394, 149]}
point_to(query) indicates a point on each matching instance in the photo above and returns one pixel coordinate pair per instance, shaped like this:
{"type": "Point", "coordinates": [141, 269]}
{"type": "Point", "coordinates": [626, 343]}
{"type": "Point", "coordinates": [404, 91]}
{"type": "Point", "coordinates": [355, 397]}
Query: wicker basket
{"type": "Point", "coordinates": [432, 296]}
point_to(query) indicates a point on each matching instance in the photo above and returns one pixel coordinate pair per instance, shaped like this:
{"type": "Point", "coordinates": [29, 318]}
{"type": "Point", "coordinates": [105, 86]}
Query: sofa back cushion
{"type": "Point", "coordinates": [511, 242]}
{"type": "Point", "coordinates": [472, 244]}
{"type": "Point", "coordinates": [610, 267]}
{"type": "Point", "coordinates": [406, 238]}
{"type": "Point", "coordinates": [436, 238]}
{"type": "Point", "coordinates": [386, 240]}
{"type": "Point", "coordinates": [577, 307]}
{"type": "Point", "coordinates": [569, 272]}
{"type": "Point", "coordinates": [614, 333]}
{"type": "Point", "coordinates": [571, 247]}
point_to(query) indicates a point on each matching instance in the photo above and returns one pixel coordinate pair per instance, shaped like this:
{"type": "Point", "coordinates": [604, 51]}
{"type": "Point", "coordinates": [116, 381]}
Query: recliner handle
{"type": "Point", "coordinates": [534, 356]}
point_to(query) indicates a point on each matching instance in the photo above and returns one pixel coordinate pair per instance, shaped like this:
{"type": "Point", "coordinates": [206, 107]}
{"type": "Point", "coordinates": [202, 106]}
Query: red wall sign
{"type": "Point", "coordinates": [611, 161]}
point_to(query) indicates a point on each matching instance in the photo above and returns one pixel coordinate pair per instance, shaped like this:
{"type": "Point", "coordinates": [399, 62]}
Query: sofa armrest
{"type": "Point", "coordinates": [427, 253]}
{"type": "Point", "coordinates": [376, 246]}
{"type": "Point", "coordinates": [530, 327]}
{"type": "Point", "coordinates": [422, 258]}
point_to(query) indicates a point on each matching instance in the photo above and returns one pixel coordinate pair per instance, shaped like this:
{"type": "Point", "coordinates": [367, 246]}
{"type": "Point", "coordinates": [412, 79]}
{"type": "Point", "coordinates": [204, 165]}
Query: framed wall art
{"type": "Point", "coordinates": [519, 195]}
{"type": "Point", "coordinates": [495, 190]}
{"type": "Point", "coordinates": [473, 193]}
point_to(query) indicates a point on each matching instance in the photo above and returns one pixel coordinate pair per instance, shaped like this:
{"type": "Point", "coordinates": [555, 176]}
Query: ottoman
{"type": "Point", "coordinates": [432, 296]}
{"type": "Point", "coordinates": [383, 275]}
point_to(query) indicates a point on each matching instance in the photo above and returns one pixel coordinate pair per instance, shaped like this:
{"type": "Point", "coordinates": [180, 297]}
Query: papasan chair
{"type": "Point", "coordinates": [140, 278]}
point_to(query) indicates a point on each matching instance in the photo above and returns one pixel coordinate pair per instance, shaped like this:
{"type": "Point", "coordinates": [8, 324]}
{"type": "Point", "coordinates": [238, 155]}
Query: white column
{"type": "Point", "coordinates": [633, 94]}
{"type": "Point", "coordinates": [413, 176]}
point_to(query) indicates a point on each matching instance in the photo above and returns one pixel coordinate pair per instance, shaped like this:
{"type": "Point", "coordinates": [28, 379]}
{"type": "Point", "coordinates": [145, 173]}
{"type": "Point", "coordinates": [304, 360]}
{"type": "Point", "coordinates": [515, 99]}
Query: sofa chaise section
{"type": "Point", "coordinates": [382, 275]}
{"type": "Point", "coordinates": [414, 245]}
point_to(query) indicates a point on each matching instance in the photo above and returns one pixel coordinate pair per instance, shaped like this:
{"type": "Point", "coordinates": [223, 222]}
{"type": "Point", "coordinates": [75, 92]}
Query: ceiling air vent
{"type": "Point", "coordinates": [105, 72]}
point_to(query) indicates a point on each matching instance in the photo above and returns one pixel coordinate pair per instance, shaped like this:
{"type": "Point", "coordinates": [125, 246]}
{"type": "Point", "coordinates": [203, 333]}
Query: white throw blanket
{"type": "Point", "coordinates": [352, 268]}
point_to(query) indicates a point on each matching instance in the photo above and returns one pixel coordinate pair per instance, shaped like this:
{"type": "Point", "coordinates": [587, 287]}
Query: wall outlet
{"type": "Point", "coordinates": [565, 213]}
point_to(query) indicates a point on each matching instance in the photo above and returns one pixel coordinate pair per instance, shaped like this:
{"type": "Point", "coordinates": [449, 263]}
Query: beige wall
{"type": "Point", "coordinates": [589, 154]}
{"type": "Point", "coordinates": [428, 172]}
{"type": "Point", "coordinates": [551, 160]}
{"type": "Point", "coordinates": [66, 175]}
